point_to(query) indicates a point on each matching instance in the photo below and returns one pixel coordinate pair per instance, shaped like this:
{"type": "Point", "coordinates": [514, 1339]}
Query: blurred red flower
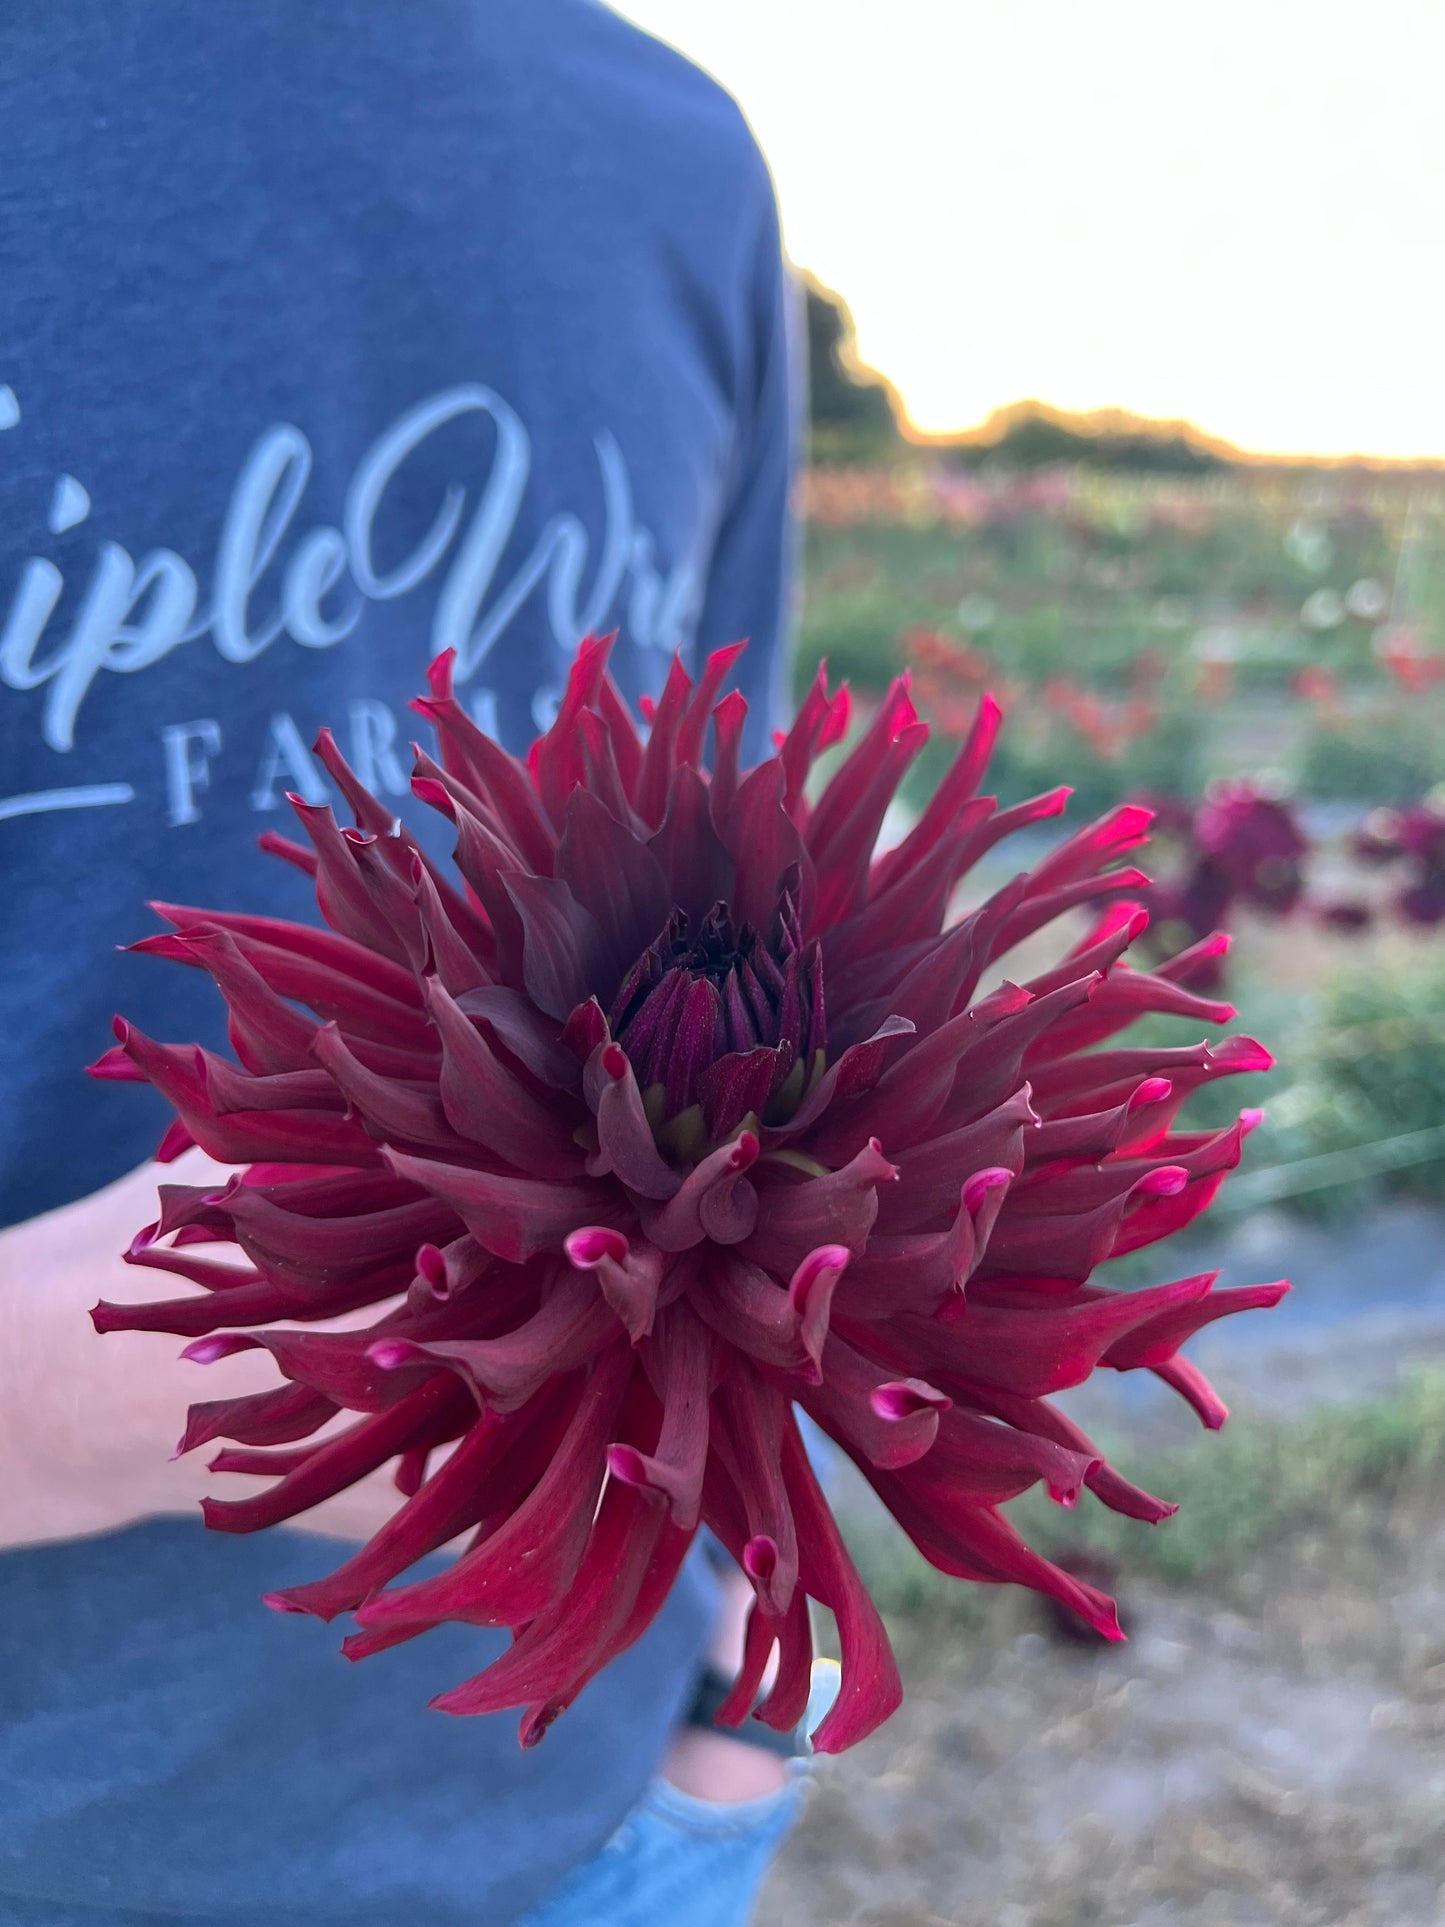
{"type": "Point", "coordinates": [1414, 838]}
{"type": "Point", "coordinates": [1241, 844]}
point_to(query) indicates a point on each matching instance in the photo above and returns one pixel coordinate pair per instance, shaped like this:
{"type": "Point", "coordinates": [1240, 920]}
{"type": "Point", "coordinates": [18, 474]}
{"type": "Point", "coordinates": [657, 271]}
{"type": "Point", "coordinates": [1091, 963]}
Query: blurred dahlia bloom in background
{"type": "Point", "coordinates": [1414, 840]}
{"type": "Point", "coordinates": [1243, 844]}
{"type": "Point", "coordinates": [675, 1108]}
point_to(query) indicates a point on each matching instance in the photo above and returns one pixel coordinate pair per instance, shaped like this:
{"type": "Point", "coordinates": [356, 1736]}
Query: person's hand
{"type": "Point", "coordinates": [88, 1425]}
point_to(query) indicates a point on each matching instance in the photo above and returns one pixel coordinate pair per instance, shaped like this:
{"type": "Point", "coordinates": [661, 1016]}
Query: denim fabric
{"type": "Point", "coordinates": [679, 1860]}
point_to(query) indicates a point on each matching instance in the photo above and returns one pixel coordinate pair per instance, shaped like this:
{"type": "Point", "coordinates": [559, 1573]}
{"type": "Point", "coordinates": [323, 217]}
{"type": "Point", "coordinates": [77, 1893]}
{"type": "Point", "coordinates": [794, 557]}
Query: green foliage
{"type": "Point", "coordinates": [1372, 1069]}
{"type": "Point", "coordinates": [1032, 435]}
{"type": "Point", "coordinates": [851, 408]}
{"type": "Point", "coordinates": [1388, 754]}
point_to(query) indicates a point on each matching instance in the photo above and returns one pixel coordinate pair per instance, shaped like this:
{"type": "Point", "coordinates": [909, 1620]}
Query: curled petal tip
{"type": "Point", "coordinates": [1250, 1120]}
{"type": "Point", "coordinates": [389, 1353]}
{"type": "Point", "coordinates": [587, 1247]}
{"type": "Point", "coordinates": [1153, 1090]}
{"type": "Point", "coordinates": [819, 1262]}
{"type": "Point", "coordinates": [205, 1351]}
{"type": "Point", "coordinates": [625, 1462]}
{"type": "Point", "coordinates": [432, 1268]}
{"type": "Point", "coordinates": [905, 1398]}
{"type": "Point", "coordinates": [760, 1558]}
{"type": "Point", "coordinates": [142, 1241]}
{"type": "Point", "coordinates": [886, 1173]}
{"type": "Point", "coordinates": [279, 1603]}
{"type": "Point", "coordinates": [436, 795]}
{"type": "Point", "coordinates": [744, 1151]}
{"type": "Point", "coordinates": [1243, 1054]}
{"type": "Point", "coordinates": [1167, 1182]}
{"type": "Point", "coordinates": [995, 1178]}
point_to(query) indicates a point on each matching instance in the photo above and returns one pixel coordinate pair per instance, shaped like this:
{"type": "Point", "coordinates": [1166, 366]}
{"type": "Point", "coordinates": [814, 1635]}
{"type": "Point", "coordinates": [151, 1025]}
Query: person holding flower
{"type": "Point", "coordinates": [331, 339]}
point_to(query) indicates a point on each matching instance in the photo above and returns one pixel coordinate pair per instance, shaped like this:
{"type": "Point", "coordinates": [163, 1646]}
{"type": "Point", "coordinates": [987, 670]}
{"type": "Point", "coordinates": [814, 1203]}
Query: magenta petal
{"type": "Point", "coordinates": [628, 1276]}
{"type": "Point", "coordinates": [890, 1422]}
{"type": "Point", "coordinates": [514, 1573]}
{"type": "Point", "coordinates": [570, 1326]}
{"type": "Point", "coordinates": [752, 1313]}
{"type": "Point", "coordinates": [563, 950]}
{"type": "Point", "coordinates": [694, 859]}
{"type": "Point", "coordinates": [626, 1146]}
{"type": "Point", "coordinates": [794, 1219]}
{"type": "Point", "coordinates": [513, 1217]}
{"type": "Point", "coordinates": [1195, 1389]}
{"type": "Point", "coordinates": [1155, 1342]}
{"type": "Point", "coordinates": [750, 1421]}
{"type": "Point", "coordinates": [681, 1363]}
{"type": "Point", "coordinates": [333, 1465]}
{"type": "Point", "coordinates": [810, 1291]}
{"type": "Point", "coordinates": [714, 1201]}
{"type": "Point", "coordinates": [613, 875]}
{"type": "Point", "coordinates": [1040, 1347]}
{"type": "Point", "coordinates": [871, 1688]}
{"type": "Point", "coordinates": [486, 1102]}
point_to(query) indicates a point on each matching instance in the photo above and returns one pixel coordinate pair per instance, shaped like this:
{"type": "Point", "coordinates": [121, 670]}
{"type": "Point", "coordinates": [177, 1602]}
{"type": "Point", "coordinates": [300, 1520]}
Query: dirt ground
{"type": "Point", "coordinates": [1273, 1761]}
{"type": "Point", "coordinates": [1267, 1752]}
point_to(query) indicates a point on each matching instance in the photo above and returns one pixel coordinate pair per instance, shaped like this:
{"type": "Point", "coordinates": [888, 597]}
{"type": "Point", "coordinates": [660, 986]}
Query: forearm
{"type": "Point", "coordinates": [88, 1425]}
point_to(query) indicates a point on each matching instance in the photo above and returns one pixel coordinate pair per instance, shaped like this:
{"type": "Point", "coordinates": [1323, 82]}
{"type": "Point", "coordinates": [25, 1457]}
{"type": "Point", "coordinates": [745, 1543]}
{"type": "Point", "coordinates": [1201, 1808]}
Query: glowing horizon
{"type": "Point", "coordinates": [1230, 215]}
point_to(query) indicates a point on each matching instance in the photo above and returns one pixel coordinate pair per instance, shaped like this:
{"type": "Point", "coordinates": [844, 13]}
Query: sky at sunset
{"type": "Point", "coordinates": [1231, 211]}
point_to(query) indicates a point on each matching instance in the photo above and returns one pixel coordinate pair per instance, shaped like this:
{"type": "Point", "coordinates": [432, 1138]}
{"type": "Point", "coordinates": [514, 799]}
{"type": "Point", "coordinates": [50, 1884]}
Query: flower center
{"type": "Point", "coordinates": [717, 1017]}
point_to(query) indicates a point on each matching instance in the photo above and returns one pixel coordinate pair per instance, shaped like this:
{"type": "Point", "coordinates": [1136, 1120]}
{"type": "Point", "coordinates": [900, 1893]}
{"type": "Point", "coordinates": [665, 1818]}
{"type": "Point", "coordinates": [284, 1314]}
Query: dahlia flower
{"type": "Point", "coordinates": [1241, 845]}
{"type": "Point", "coordinates": [1415, 838]}
{"type": "Point", "coordinates": [676, 1109]}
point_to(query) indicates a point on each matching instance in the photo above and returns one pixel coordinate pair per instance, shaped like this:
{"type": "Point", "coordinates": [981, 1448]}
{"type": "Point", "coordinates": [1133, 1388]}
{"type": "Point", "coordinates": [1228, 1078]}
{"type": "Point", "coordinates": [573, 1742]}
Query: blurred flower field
{"type": "Point", "coordinates": [1260, 655]}
{"type": "Point", "coordinates": [1166, 629]}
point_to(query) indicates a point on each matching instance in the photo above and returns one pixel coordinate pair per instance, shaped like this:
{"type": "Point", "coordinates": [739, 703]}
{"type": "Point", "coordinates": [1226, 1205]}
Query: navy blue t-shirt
{"type": "Point", "coordinates": [331, 334]}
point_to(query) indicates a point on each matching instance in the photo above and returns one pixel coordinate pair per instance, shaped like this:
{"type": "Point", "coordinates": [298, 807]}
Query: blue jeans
{"type": "Point", "coordinates": [678, 1859]}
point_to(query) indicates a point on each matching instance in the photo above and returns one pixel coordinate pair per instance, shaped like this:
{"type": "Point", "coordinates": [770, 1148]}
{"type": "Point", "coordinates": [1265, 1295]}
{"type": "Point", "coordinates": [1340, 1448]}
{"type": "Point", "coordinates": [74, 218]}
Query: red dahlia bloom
{"type": "Point", "coordinates": [1241, 845]}
{"type": "Point", "coordinates": [1414, 837]}
{"type": "Point", "coordinates": [678, 1109]}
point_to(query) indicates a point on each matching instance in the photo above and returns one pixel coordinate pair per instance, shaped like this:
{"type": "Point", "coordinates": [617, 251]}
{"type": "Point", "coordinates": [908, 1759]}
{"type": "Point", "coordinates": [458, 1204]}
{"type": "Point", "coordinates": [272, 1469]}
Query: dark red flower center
{"type": "Point", "coordinates": [718, 1015]}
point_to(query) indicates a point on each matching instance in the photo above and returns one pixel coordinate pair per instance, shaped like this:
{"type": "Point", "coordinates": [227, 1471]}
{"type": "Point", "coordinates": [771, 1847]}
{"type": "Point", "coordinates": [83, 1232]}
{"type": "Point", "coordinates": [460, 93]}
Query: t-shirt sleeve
{"type": "Point", "coordinates": [749, 593]}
